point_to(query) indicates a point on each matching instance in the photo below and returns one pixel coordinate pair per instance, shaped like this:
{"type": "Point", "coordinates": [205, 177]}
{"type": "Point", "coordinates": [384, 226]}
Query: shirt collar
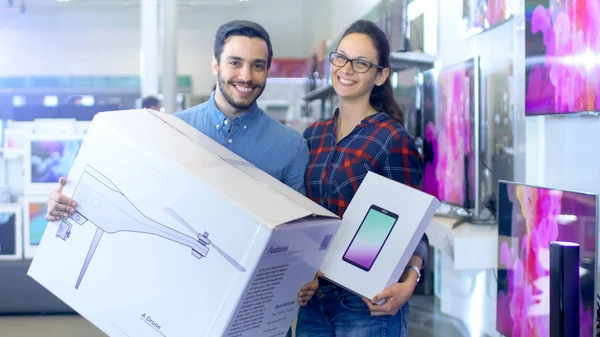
{"type": "Point", "coordinates": [374, 118]}
{"type": "Point", "coordinates": [220, 120]}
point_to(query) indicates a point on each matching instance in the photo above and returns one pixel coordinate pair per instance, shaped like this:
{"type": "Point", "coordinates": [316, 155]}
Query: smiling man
{"type": "Point", "coordinates": [241, 60]}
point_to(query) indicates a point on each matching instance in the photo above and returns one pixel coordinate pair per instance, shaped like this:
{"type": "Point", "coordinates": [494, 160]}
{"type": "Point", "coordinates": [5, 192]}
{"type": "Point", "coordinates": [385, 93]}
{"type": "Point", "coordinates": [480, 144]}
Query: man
{"type": "Point", "coordinates": [151, 102]}
{"type": "Point", "coordinates": [242, 57]}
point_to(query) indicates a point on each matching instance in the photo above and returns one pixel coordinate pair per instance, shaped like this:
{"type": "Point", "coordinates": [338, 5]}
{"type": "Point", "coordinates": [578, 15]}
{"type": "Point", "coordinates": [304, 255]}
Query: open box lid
{"type": "Point", "coordinates": [270, 201]}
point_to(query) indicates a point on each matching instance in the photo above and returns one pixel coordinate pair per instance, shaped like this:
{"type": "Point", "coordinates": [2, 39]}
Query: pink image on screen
{"type": "Point", "coordinates": [497, 11]}
{"type": "Point", "coordinates": [481, 15]}
{"type": "Point", "coordinates": [449, 168]}
{"type": "Point", "coordinates": [534, 217]}
{"type": "Point", "coordinates": [563, 50]}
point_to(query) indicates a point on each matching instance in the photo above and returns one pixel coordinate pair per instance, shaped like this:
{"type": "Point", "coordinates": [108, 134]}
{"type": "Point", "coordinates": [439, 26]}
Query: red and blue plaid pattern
{"type": "Point", "coordinates": [379, 144]}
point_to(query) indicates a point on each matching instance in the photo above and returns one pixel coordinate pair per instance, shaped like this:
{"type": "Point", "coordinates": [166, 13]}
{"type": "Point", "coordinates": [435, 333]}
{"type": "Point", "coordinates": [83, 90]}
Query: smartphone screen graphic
{"type": "Point", "coordinates": [370, 238]}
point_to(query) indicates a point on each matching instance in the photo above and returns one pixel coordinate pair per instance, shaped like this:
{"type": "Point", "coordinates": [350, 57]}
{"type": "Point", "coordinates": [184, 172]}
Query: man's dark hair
{"type": "Point", "coordinates": [241, 28]}
{"type": "Point", "coordinates": [150, 101]}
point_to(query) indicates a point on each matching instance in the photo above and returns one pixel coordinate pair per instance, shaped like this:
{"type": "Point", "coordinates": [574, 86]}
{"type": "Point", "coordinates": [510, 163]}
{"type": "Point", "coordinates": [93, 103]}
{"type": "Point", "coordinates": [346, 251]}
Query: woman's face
{"type": "Point", "coordinates": [347, 82]}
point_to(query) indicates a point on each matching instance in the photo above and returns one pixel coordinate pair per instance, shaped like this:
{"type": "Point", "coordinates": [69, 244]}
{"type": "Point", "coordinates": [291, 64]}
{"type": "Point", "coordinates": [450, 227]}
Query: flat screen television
{"type": "Point", "coordinates": [482, 15]}
{"type": "Point", "coordinates": [11, 233]}
{"type": "Point", "coordinates": [562, 50]}
{"type": "Point", "coordinates": [529, 218]}
{"type": "Point", "coordinates": [450, 146]}
{"type": "Point", "coordinates": [47, 158]}
{"type": "Point", "coordinates": [35, 208]}
{"type": "Point", "coordinates": [406, 93]}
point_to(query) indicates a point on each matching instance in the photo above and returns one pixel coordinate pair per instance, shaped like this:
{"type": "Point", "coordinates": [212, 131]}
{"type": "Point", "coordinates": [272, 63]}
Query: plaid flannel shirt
{"type": "Point", "coordinates": [379, 144]}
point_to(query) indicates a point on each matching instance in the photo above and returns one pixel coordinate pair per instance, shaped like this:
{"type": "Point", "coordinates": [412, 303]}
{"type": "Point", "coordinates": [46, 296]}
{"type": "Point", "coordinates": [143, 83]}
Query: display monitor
{"type": "Point", "coordinates": [481, 15]}
{"type": "Point", "coordinates": [47, 158]}
{"type": "Point", "coordinates": [11, 232]}
{"type": "Point", "coordinates": [406, 92]}
{"type": "Point", "coordinates": [450, 147]}
{"type": "Point", "coordinates": [529, 219]}
{"type": "Point", "coordinates": [34, 223]}
{"type": "Point", "coordinates": [562, 50]}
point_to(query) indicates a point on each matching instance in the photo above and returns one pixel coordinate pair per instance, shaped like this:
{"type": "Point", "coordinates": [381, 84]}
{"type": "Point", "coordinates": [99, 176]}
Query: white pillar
{"type": "Point", "coordinates": [169, 47]}
{"type": "Point", "coordinates": [149, 47]}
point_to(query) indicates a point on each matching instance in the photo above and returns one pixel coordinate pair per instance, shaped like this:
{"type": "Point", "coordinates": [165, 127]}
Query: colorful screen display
{"type": "Point", "coordinates": [449, 108]}
{"type": "Point", "coordinates": [37, 222]}
{"type": "Point", "coordinates": [370, 238]}
{"type": "Point", "coordinates": [529, 218]}
{"type": "Point", "coordinates": [8, 234]}
{"type": "Point", "coordinates": [562, 46]}
{"type": "Point", "coordinates": [481, 15]}
{"type": "Point", "coordinates": [52, 159]}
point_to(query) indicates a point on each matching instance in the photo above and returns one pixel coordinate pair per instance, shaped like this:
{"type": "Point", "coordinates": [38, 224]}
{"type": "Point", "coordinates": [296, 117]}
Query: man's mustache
{"type": "Point", "coordinates": [246, 83]}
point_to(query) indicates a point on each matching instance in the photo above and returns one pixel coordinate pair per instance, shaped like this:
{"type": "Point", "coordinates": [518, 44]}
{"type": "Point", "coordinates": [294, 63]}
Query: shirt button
{"type": "Point", "coordinates": [218, 125]}
{"type": "Point", "coordinates": [245, 126]}
{"type": "Point", "coordinates": [229, 140]}
{"type": "Point", "coordinates": [226, 122]}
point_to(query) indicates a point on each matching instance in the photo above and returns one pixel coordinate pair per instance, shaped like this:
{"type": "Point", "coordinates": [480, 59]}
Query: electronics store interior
{"type": "Point", "coordinates": [502, 107]}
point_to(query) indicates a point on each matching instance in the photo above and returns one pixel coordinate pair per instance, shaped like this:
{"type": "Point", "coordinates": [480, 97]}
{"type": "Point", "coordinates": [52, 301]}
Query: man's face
{"type": "Point", "coordinates": [242, 71]}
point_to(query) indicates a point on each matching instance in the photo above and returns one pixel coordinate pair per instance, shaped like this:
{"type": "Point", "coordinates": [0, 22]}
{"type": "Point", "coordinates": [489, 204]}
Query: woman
{"type": "Point", "coordinates": [365, 134]}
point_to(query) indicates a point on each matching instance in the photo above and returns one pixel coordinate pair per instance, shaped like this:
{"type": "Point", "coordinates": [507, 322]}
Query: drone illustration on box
{"type": "Point", "coordinates": [101, 203]}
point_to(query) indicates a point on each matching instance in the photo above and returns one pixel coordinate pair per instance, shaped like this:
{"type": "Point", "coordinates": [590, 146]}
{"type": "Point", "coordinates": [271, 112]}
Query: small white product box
{"type": "Point", "coordinates": [380, 231]}
{"type": "Point", "coordinates": [175, 235]}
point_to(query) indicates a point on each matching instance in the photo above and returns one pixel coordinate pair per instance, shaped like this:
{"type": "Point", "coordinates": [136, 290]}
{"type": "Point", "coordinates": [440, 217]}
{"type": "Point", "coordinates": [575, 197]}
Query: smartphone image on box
{"type": "Point", "coordinates": [370, 237]}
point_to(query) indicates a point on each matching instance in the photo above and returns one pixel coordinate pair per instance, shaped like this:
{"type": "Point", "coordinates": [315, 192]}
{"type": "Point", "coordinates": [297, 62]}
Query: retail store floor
{"type": "Point", "coordinates": [425, 321]}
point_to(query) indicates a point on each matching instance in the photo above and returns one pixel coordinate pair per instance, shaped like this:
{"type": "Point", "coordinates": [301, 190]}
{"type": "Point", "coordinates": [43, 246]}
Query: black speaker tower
{"type": "Point", "coordinates": [564, 289]}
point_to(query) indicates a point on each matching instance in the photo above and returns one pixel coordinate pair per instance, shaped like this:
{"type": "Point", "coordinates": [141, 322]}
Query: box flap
{"type": "Point", "coordinates": [181, 144]}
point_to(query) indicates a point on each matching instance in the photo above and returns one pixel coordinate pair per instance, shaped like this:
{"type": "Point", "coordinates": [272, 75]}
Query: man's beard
{"type": "Point", "coordinates": [238, 105]}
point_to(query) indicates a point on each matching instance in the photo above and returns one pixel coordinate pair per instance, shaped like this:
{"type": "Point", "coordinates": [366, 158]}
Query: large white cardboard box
{"type": "Point", "coordinates": [175, 235]}
{"type": "Point", "coordinates": [380, 231]}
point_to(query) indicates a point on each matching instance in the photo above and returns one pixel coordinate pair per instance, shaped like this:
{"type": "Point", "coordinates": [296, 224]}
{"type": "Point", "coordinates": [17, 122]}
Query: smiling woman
{"type": "Point", "coordinates": [365, 134]}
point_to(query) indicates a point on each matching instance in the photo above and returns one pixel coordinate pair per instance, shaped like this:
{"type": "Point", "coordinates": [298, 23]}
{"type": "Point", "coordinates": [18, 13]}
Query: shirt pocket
{"type": "Point", "coordinates": [358, 162]}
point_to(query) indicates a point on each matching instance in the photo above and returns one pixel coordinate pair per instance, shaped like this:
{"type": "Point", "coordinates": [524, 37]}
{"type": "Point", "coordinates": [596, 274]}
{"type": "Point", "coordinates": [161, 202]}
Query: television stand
{"type": "Point", "coordinates": [461, 220]}
{"type": "Point", "coordinates": [463, 216]}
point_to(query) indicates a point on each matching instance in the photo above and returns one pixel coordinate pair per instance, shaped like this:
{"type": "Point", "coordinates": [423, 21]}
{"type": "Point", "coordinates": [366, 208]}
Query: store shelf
{"type": "Point", "coordinates": [405, 60]}
{"type": "Point", "coordinates": [320, 93]}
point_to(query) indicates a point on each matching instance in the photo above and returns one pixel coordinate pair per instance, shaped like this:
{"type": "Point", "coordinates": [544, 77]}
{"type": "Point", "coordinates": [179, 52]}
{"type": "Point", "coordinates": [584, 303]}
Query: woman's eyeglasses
{"type": "Point", "coordinates": [359, 65]}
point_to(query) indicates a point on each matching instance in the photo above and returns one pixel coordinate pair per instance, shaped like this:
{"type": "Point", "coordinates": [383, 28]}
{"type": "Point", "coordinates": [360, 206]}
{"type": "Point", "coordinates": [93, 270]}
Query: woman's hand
{"type": "Point", "coordinates": [395, 297]}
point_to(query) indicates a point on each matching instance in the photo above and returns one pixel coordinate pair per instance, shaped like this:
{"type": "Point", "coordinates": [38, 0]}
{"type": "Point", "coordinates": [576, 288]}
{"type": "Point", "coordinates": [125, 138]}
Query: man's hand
{"type": "Point", "coordinates": [59, 206]}
{"type": "Point", "coordinates": [309, 289]}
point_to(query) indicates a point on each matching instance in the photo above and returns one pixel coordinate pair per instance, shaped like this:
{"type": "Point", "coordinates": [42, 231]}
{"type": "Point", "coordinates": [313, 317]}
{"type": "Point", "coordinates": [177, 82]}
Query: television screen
{"type": "Point", "coordinates": [450, 106]}
{"type": "Point", "coordinates": [497, 144]}
{"type": "Point", "coordinates": [562, 48]}
{"type": "Point", "coordinates": [529, 218]}
{"type": "Point", "coordinates": [37, 222]}
{"type": "Point", "coordinates": [8, 234]}
{"type": "Point", "coordinates": [405, 85]}
{"type": "Point", "coordinates": [480, 15]}
{"type": "Point", "coordinates": [52, 159]}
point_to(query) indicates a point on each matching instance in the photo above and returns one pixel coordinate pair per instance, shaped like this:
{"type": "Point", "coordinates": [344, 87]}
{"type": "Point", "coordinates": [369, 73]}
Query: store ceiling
{"type": "Point", "coordinates": [34, 4]}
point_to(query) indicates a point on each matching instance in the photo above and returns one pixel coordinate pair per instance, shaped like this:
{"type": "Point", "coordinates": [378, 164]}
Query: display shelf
{"type": "Point", "coordinates": [469, 246]}
{"type": "Point", "coordinates": [319, 93]}
{"type": "Point", "coordinates": [404, 60]}
{"type": "Point", "coordinates": [22, 295]}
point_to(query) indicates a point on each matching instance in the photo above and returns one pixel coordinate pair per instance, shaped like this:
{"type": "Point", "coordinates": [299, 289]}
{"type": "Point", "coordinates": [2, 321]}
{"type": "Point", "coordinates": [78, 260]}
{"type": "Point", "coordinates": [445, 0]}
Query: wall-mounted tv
{"type": "Point", "coordinates": [529, 219]}
{"type": "Point", "coordinates": [562, 49]}
{"type": "Point", "coordinates": [47, 158]}
{"type": "Point", "coordinates": [406, 92]}
{"type": "Point", "coordinates": [11, 232]}
{"type": "Point", "coordinates": [482, 15]}
{"type": "Point", "coordinates": [450, 147]}
{"type": "Point", "coordinates": [35, 208]}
